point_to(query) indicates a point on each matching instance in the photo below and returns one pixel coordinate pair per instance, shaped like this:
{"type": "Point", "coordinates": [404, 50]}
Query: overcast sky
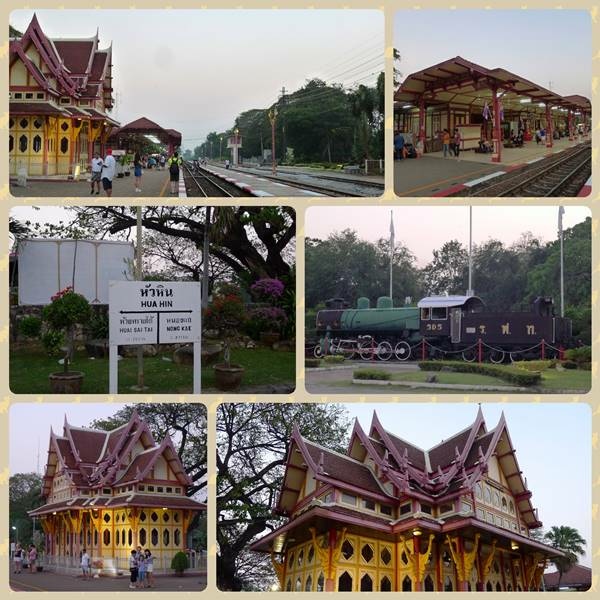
{"type": "Point", "coordinates": [425, 228]}
{"type": "Point", "coordinates": [553, 444]}
{"type": "Point", "coordinates": [196, 70]}
{"type": "Point", "coordinates": [552, 48]}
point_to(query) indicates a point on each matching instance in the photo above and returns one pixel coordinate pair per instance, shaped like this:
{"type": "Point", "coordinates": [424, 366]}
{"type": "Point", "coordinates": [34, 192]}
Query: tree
{"type": "Point", "coordinates": [568, 540]}
{"type": "Point", "coordinates": [446, 273]}
{"type": "Point", "coordinates": [252, 444]}
{"type": "Point", "coordinates": [184, 423]}
{"type": "Point", "coordinates": [251, 241]}
{"type": "Point", "coordinates": [24, 494]}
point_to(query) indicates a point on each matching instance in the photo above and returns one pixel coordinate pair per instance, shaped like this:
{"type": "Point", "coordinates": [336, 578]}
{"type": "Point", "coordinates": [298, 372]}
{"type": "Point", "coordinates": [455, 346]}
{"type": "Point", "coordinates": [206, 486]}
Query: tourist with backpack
{"type": "Point", "coordinates": [174, 162]}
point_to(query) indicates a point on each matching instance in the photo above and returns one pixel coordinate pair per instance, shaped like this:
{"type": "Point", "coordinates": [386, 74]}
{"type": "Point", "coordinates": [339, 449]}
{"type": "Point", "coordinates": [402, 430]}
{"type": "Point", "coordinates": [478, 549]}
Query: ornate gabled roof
{"type": "Point", "coordinates": [95, 458]}
{"type": "Point", "coordinates": [446, 470]}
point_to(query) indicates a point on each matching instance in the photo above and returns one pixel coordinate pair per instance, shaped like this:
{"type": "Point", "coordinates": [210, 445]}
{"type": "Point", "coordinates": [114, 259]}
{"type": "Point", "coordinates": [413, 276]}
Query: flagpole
{"type": "Point", "coordinates": [561, 211]}
{"type": "Point", "coordinates": [391, 252]}
{"type": "Point", "coordinates": [470, 288]}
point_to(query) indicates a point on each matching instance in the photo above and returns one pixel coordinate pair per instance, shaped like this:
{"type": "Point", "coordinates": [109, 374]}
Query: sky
{"type": "Point", "coordinates": [196, 70]}
{"type": "Point", "coordinates": [30, 428]}
{"type": "Point", "coordinates": [552, 48]}
{"type": "Point", "coordinates": [553, 444]}
{"type": "Point", "coordinates": [425, 228]}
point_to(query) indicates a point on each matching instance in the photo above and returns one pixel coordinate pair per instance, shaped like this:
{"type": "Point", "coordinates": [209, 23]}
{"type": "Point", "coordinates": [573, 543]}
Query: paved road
{"type": "Point", "coordinates": [51, 582]}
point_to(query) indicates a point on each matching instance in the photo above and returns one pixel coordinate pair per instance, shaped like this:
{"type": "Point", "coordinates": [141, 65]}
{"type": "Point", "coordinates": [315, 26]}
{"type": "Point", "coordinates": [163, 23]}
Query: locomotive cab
{"type": "Point", "coordinates": [441, 316]}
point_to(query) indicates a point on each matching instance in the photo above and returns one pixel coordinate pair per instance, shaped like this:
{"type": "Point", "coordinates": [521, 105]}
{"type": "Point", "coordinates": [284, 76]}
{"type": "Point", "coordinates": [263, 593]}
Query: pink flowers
{"type": "Point", "coordinates": [62, 293]}
{"type": "Point", "coordinates": [267, 289]}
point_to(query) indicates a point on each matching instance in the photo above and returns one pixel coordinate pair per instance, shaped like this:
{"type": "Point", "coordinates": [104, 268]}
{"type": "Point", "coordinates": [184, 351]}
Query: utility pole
{"type": "Point", "coordinates": [273, 119]}
{"type": "Point", "coordinates": [561, 212]}
{"type": "Point", "coordinates": [470, 289]}
{"type": "Point", "coordinates": [392, 244]}
{"type": "Point", "coordinates": [205, 259]}
{"type": "Point", "coordinates": [138, 275]}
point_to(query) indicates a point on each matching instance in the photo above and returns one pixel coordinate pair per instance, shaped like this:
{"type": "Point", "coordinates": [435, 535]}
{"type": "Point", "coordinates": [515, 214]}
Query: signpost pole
{"type": "Point", "coordinates": [113, 361]}
{"type": "Point", "coordinates": [197, 389]}
{"type": "Point", "coordinates": [138, 275]}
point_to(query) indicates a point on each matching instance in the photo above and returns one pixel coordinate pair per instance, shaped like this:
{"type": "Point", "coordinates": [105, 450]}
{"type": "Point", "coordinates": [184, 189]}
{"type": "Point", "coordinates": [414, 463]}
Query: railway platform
{"type": "Point", "coordinates": [258, 185]}
{"type": "Point", "coordinates": [154, 184]}
{"type": "Point", "coordinates": [434, 175]}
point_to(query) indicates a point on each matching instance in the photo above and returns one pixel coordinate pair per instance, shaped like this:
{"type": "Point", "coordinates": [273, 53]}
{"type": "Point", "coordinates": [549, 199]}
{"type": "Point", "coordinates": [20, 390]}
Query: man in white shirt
{"type": "Point", "coordinates": [108, 172]}
{"type": "Point", "coordinates": [97, 163]}
{"type": "Point", "coordinates": [85, 564]}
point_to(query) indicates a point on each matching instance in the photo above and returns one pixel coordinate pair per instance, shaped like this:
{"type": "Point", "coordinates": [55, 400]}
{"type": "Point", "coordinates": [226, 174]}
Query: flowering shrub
{"type": "Point", "coordinates": [226, 314]}
{"type": "Point", "coordinates": [269, 318]}
{"type": "Point", "coordinates": [267, 289]}
{"type": "Point", "coordinates": [66, 310]}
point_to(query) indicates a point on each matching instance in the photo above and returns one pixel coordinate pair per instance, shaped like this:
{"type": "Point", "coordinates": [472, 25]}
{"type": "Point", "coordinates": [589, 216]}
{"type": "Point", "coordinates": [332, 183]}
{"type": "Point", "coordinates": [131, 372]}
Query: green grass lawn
{"type": "Point", "coordinates": [569, 379]}
{"type": "Point", "coordinates": [447, 377]}
{"type": "Point", "coordinates": [29, 370]}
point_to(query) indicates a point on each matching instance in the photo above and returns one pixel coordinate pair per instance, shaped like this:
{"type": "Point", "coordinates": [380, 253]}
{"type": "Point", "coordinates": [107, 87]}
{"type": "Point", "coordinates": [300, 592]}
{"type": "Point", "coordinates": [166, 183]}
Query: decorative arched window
{"type": "Point", "coordinates": [311, 555]}
{"type": "Point", "coordinates": [308, 584]}
{"type": "Point", "coordinates": [11, 143]}
{"type": "Point", "coordinates": [366, 583]}
{"type": "Point", "coordinates": [106, 537]}
{"type": "Point", "coordinates": [345, 582]}
{"type": "Point", "coordinates": [288, 585]}
{"type": "Point", "coordinates": [407, 584]}
{"type": "Point", "coordinates": [478, 490]}
{"type": "Point", "coordinates": [347, 550]}
{"type": "Point", "coordinates": [386, 556]}
{"type": "Point", "coordinates": [154, 537]}
{"type": "Point", "coordinates": [429, 587]}
{"type": "Point", "coordinates": [487, 495]}
{"type": "Point", "coordinates": [176, 517]}
{"type": "Point", "coordinates": [489, 587]}
{"type": "Point", "coordinates": [404, 558]}
{"type": "Point", "coordinates": [64, 145]}
{"type": "Point", "coordinates": [37, 143]}
{"type": "Point", "coordinates": [367, 553]}
{"type": "Point", "coordinates": [321, 582]}
{"type": "Point", "coordinates": [177, 537]}
{"type": "Point", "coordinates": [37, 123]}
{"type": "Point", "coordinates": [143, 516]}
{"type": "Point", "coordinates": [23, 123]}
{"type": "Point", "coordinates": [143, 536]}
{"type": "Point", "coordinates": [511, 508]}
{"type": "Point", "coordinates": [23, 143]}
{"type": "Point", "coordinates": [504, 504]}
{"type": "Point", "coordinates": [498, 587]}
{"type": "Point", "coordinates": [300, 558]}
{"type": "Point", "coordinates": [130, 537]}
{"type": "Point", "coordinates": [385, 585]}
{"type": "Point", "coordinates": [448, 584]}
{"type": "Point", "coordinates": [166, 537]}
{"type": "Point", "coordinates": [154, 517]}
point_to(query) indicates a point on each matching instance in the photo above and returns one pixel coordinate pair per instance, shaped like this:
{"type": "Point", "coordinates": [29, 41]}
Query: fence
{"type": "Point", "coordinates": [374, 167]}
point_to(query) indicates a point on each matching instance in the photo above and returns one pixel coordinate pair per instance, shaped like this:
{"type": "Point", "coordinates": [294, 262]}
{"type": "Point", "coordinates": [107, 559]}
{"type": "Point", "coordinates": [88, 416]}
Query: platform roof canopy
{"type": "Point", "coordinates": [459, 81]}
{"type": "Point", "coordinates": [145, 127]}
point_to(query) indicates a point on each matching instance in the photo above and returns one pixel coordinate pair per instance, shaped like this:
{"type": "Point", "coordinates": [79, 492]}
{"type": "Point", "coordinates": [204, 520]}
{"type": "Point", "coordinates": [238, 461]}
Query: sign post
{"type": "Point", "coordinates": [154, 312]}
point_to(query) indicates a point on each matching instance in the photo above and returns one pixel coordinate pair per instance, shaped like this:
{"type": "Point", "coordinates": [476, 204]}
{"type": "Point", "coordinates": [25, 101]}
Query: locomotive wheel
{"type": "Point", "coordinates": [402, 350]}
{"type": "Point", "coordinates": [384, 351]}
{"type": "Point", "coordinates": [516, 356]}
{"type": "Point", "coordinates": [346, 349]}
{"type": "Point", "coordinates": [497, 356]}
{"type": "Point", "coordinates": [317, 351]}
{"type": "Point", "coordinates": [366, 350]}
{"type": "Point", "coordinates": [469, 355]}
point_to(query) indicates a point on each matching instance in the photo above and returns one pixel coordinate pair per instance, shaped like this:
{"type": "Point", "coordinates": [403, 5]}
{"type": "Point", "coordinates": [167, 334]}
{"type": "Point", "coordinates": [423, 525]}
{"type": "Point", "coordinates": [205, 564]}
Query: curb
{"type": "Point", "coordinates": [240, 184]}
{"type": "Point", "coordinates": [446, 386]}
{"type": "Point", "coordinates": [586, 190]}
{"type": "Point", "coordinates": [182, 191]}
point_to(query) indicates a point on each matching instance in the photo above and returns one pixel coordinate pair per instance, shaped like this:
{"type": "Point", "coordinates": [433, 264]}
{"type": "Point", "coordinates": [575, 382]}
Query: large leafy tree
{"type": "Point", "coordinates": [569, 541]}
{"type": "Point", "coordinates": [446, 272]}
{"type": "Point", "coordinates": [24, 494]}
{"type": "Point", "coordinates": [252, 443]}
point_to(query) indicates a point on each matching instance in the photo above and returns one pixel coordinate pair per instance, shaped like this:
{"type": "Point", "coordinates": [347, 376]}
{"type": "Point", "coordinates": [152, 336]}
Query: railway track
{"type": "Point", "coordinates": [561, 175]}
{"type": "Point", "coordinates": [200, 182]}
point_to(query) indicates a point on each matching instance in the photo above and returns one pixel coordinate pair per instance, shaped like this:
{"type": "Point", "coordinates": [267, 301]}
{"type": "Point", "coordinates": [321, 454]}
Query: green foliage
{"type": "Point", "coordinates": [98, 325]}
{"type": "Point", "coordinates": [570, 542]}
{"type": "Point", "coordinates": [579, 355]}
{"type": "Point", "coordinates": [180, 562]}
{"type": "Point", "coordinates": [514, 375]}
{"type": "Point", "coordinates": [24, 494]}
{"type": "Point", "coordinates": [312, 363]}
{"type": "Point", "coordinates": [372, 374]}
{"type": "Point", "coordinates": [536, 365]}
{"type": "Point", "coordinates": [53, 342]}
{"type": "Point", "coordinates": [337, 359]}
{"type": "Point", "coordinates": [569, 364]}
{"type": "Point", "coordinates": [67, 309]}
{"type": "Point", "coordinates": [30, 327]}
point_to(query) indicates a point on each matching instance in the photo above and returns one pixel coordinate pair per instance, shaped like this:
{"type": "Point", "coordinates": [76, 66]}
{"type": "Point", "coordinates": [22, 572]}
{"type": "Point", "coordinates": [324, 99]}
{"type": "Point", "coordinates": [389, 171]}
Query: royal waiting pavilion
{"type": "Point", "coordinates": [60, 94]}
{"type": "Point", "coordinates": [110, 491]}
{"type": "Point", "coordinates": [388, 516]}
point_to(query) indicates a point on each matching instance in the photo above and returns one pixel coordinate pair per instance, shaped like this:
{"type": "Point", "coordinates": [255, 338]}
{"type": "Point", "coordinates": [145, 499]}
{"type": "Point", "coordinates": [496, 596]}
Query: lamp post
{"type": "Point", "coordinates": [273, 119]}
{"type": "Point", "coordinates": [220, 147]}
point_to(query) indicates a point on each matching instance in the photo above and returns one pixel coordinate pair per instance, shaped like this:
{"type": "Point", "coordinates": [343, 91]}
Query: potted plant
{"type": "Point", "coordinates": [226, 314]}
{"type": "Point", "coordinates": [269, 321]}
{"type": "Point", "coordinates": [66, 310]}
{"type": "Point", "coordinates": [179, 563]}
{"type": "Point", "coordinates": [97, 566]}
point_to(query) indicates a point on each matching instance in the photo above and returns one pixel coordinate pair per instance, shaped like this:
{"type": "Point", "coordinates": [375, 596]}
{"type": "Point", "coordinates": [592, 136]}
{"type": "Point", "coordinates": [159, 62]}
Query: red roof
{"type": "Point", "coordinates": [577, 576]}
{"type": "Point", "coordinates": [152, 501]}
{"type": "Point", "coordinates": [36, 108]}
{"type": "Point", "coordinates": [76, 54]}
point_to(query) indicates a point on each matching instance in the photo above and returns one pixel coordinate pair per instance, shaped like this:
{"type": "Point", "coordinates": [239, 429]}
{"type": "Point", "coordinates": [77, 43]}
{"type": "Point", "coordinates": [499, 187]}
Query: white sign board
{"type": "Point", "coordinates": [47, 266]}
{"type": "Point", "coordinates": [154, 312]}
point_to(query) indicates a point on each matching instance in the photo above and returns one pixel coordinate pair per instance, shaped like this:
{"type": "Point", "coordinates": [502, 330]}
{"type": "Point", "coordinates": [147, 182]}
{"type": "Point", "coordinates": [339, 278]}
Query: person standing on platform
{"type": "Point", "coordinates": [133, 570]}
{"type": "Point", "coordinates": [149, 568]}
{"type": "Point", "coordinates": [96, 166]}
{"type": "Point", "coordinates": [174, 163]}
{"type": "Point", "coordinates": [108, 172]}
{"type": "Point", "coordinates": [457, 140]}
{"type": "Point", "coordinates": [18, 558]}
{"type": "Point", "coordinates": [32, 558]}
{"type": "Point", "coordinates": [446, 142]}
{"type": "Point", "coordinates": [137, 171]}
{"type": "Point", "coordinates": [85, 564]}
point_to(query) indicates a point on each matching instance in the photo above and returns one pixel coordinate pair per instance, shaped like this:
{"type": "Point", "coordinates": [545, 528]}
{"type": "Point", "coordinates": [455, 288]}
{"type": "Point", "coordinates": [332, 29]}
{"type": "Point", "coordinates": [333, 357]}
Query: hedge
{"type": "Point", "coordinates": [334, 359]}
{"type": "Point", "coordinates": [519, 377]}
{"type": "Point", "coordinates": [372, 374]}
{"type": "Point", "coordinates": [579, 355]}
{"type": "Point", "coordinates": [536, 365]}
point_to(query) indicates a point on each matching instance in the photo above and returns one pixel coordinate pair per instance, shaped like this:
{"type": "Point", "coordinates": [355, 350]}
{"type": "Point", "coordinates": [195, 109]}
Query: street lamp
{"type": "Point", "coordinates": [273, 119]}
{"type": "Point", "coordinates": [220, 147]}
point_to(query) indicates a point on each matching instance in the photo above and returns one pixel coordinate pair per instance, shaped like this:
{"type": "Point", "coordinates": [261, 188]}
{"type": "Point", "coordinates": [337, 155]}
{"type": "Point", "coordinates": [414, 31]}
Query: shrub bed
{"type": "Point", "coordinates": [579, 355]}
{"type": "Point", "coordinates": [519, 377]}
{"type": "Point", "coordinates": [372, 374]}
{"type": "Point", "coordinates": [536, 365]}
{"type": "Point", "coordinates": [335, 359]}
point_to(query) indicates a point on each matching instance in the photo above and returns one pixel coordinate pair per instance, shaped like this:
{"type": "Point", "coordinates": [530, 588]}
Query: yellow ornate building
{"type": "Point", "coordinates": [60, 94]}
{"type": "Point", "coordinates": [388, 516]}
{"type": "Point", "coordinates": [110, 491]}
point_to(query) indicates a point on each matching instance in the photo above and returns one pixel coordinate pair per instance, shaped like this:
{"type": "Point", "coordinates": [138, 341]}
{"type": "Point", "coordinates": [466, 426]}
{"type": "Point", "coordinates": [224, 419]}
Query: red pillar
{"type": "Point", "coordinates": [549, 131]}
{"type": "Point", "coordinates": [330, 581]}
{"type": "Point", "coordinates": [416, 552]}
{"type": "Point", "coordinates": [570, 125]}
{"type": "Point", "coordinates": [422, 123]}
{"type": "Point", "coordinates": [496, 131]}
